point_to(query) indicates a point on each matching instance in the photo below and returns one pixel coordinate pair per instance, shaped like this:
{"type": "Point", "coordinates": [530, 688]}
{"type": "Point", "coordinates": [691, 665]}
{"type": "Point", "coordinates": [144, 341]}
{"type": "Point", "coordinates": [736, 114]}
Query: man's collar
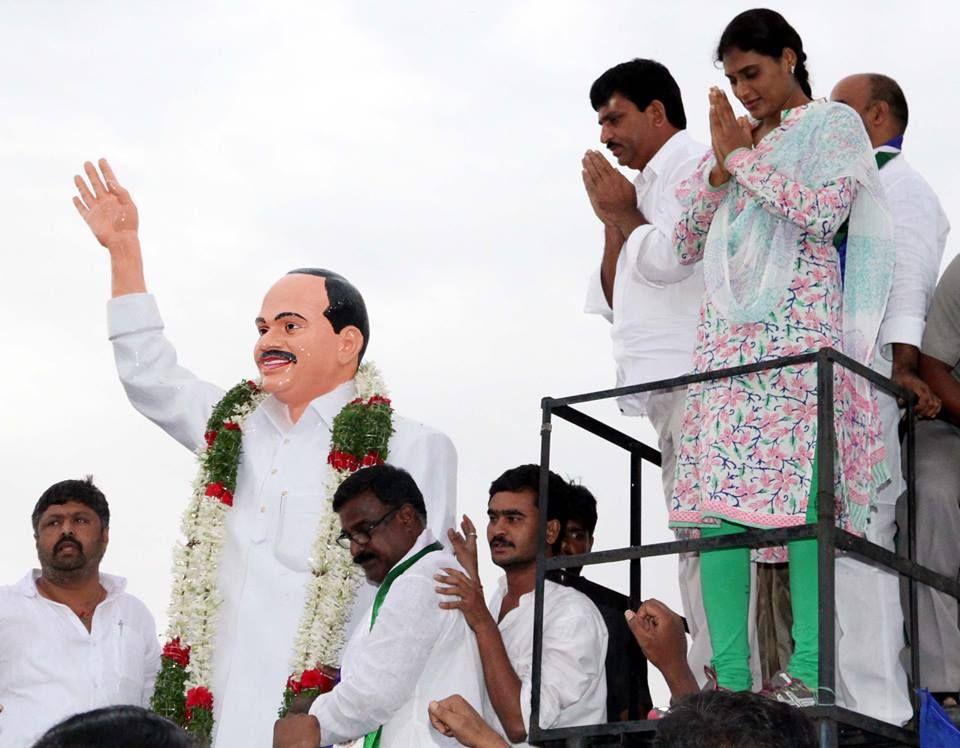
{"type": "Point", "coordinates": [326, 406]}
{"type": "Point", "coordinates": [27, 586]}
{"type": "Point", "coordinates": [894, 145]}
{"type": "Point", "coordinates": [656, 165]}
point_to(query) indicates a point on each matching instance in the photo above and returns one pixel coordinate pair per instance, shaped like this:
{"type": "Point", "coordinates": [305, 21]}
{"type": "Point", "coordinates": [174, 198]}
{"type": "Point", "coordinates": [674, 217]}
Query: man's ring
{"type": "Point", "coordinates": [471, 534]}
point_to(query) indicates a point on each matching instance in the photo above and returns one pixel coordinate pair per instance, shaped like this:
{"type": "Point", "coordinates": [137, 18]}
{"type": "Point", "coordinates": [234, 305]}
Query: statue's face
{"type": "Point", "coordinates": [298, 354]}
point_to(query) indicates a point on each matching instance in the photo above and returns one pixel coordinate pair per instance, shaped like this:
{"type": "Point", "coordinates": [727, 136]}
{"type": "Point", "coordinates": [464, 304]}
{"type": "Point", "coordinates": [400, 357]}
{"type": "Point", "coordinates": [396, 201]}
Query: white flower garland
{"type": "Point", "coordinates": [334, 579]}
{"type": "Point", "coordinates": [195, 599]}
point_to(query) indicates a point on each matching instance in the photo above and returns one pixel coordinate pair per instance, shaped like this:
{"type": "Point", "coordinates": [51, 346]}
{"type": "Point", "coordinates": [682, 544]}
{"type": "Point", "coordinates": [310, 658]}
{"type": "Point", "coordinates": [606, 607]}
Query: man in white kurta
{"type": "Point", "coordinates": [651, 301]}
{"type": "Point", "coordinates": [307, 356]}
{"type": "Point", "coordinates": [406, 652]}
{"type": "Point", "coordinates": [871, 677]}
{"type": "Point", "coordinates": [72, 638]}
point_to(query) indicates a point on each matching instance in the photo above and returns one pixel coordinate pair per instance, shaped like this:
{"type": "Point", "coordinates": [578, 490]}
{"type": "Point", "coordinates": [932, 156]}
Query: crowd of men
{"type": "Point", "coordinates": [440, 660]}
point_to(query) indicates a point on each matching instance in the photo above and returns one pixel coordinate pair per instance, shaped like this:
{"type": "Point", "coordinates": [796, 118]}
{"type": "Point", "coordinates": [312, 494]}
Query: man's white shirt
{"type": "Point", "coordinates": [573, 685]}
{"type": "Point", "coordinates": [414, 654]}
{"type": "Point", "coordinates": [51, 667]}
{"type": "Point", "coordinates": [920, 229]}
{"type": "Point", "coordinates": [280, 497]}
{"type": "Point", "coordinates": [920, 234]}
{"type": "Point", "coordinates": [656, 300]}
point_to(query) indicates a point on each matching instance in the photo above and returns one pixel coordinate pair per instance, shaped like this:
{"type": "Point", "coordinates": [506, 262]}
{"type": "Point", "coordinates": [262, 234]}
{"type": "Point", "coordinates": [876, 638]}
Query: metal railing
{"type": "Point", "coordinates": [831, 719]}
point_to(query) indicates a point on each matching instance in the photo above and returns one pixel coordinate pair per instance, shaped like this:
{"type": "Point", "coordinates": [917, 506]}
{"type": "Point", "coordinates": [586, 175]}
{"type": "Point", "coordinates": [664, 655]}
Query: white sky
{"type": "Point", "coordinates": [429, 151]}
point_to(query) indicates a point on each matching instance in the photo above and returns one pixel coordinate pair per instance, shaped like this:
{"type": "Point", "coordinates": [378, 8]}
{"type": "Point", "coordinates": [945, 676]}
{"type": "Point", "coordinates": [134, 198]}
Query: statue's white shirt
{"type": "Point", "coordinates": [281, 493]}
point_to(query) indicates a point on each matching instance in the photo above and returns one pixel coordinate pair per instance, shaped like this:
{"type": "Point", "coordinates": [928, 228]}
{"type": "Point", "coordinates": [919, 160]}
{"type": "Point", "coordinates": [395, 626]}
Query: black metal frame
{"type": "Point", "coordinates": [830, 718]}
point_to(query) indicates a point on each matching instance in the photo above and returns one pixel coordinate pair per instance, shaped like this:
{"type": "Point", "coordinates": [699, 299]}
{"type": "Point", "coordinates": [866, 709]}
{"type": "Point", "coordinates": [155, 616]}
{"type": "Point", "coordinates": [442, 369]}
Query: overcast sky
{"type": "Point", "coordinates": [429, 151]}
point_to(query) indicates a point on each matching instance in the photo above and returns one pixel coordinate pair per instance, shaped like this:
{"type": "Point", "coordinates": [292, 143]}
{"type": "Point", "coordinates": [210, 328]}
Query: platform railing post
{"type": "Point", "coordinates": [543, 503]}
{"type": "Point", "coordinates": [826, 532]}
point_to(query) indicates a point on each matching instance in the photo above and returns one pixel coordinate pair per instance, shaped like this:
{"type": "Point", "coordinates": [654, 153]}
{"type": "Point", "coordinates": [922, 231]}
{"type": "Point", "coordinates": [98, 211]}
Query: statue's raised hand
{"type": "Point", "coordinates": [112, 217]}
{"type": "Point", "coordinates": [106, 206]}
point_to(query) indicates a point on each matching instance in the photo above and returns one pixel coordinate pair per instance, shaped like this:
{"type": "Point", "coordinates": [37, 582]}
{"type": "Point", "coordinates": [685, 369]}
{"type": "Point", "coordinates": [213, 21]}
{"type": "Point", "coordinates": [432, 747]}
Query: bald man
{"type": "Point", "coordinates": [871, 677]}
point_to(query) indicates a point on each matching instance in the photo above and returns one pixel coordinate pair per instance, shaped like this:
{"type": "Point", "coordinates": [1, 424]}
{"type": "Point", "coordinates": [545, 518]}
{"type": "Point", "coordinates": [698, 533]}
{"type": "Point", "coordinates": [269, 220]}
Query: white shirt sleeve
{"type": "Point", "coordinates": [166, 393]}
{"type": "Point", "coordinates": [917, 236]}
{"type": "Point", "coordinates": [574, 652]}
{"type": "Point", "coordinates": [388, 665]}
{"type": "Point", "coordinates": [432, 461]}
{"type": "Point", "coordinates": [596, 301]}
{"type": "Point", "coordinates": [655, 255]}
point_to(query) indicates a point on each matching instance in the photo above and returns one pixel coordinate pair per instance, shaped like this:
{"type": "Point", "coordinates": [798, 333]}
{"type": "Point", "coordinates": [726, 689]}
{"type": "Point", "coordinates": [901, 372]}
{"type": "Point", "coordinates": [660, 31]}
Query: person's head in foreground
{"type": "Point", "coordinates": [313, 331]}
{"type": "Point", "coordinates": [513, 516]}
{"type": "Point", "coordinates": [382, 514]}
{"type": "Point", "coordinates": [729, 719]}
{"type": "Point", "coordinates": [116, 727]}
{"type": "Point", "coordinates": [639, 108]}
{"type": "Point", "coordinates": [71, 527]}
{"type": "Point", "coordinates": [763, 59]}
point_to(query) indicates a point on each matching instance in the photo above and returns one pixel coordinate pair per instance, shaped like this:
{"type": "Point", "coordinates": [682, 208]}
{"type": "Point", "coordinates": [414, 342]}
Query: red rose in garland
{"type": "Point", "coordinates": [172, 650]}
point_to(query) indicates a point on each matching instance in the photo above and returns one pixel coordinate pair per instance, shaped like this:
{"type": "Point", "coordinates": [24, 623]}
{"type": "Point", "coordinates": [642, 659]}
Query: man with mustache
{"type": "Point", "coordinates": [73, 639]}
{"type": "Point", "coordinates": [408, 653]}
{"type": "Point", "coordinates": [650, 299]}
{"type": "Point", "coordinates": [312, 333]}
{"type": "Point", "coordinates": [573, 687]}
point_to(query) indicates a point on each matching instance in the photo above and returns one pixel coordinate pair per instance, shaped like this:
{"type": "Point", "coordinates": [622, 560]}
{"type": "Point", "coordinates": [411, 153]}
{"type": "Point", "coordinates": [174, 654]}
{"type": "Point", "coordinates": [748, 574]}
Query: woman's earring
{"type": "Point", "coordinates": [791, 70]}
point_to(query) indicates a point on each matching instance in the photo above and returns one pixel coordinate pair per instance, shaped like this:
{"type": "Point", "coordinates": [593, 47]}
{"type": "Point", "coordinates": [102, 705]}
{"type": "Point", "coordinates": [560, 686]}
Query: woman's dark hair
{"type": "Point", "coordinates": [768, 33]}
{"type": "Point", "coordinates": [116, 727]}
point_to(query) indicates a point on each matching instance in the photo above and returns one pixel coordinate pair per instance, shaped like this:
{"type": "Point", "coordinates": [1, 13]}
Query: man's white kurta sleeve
{"type": "Point", "coordinates": [574, 652]}
{"type": "Point", "coordinates": [653, 256]}
{"type": "Point", "coordinates": [388, 665]}
{"type": "Point", "coordinates": [432, 461]}
{"type": "Point", "coordinates": [917, 230]}
{"type": "Point", "coordinates": [166, 393]}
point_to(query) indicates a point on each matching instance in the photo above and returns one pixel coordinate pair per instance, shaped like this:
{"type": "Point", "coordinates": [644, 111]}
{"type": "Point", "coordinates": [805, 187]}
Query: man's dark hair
{"type": "Point", "coordinates": [392, 485]}
{"type": "Point", "coordinates": [116, 727]}
{"type": "Point", "coordinates": [884, 88]}
{"type": "Point", "coordinates": [346, 305]}
{"type": "Point", "coordinates": [767, 33]}
{"type": "Point", "coordinates": [641, 81]}
{"type": "Point", "coordinates": [81, 491]}
{"type": "Point", "coordinates": [582, 506]}
{"type": "Point", "coordinates": [527, 478]}
{"type": "Point", "coordinates": [724, 719]}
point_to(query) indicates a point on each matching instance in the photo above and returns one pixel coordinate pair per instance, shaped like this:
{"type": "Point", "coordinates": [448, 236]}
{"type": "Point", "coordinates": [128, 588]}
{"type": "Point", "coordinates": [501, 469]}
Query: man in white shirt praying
{"type": "Point", "coordinates": [572, 680]}
{"type": "Point", "coordinates": [408, 652]}
{"type": "Point", "coordinates": [312, 332]}
{"type": "Point", "coordinates": [73, 639]}
{"type": "Point", "coordinates": [650, 299]}
{"type": "Point", "coordinates": [871, 678]}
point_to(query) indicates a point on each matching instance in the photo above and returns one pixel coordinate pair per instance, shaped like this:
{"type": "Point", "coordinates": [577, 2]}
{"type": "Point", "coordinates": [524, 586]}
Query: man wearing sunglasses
{"type": "Point", "coordinates": [407, 652]}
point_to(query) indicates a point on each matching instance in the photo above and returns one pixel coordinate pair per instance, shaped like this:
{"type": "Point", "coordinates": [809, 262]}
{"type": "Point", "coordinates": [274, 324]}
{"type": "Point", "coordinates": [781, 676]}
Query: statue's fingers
{"type": "Point", "coordinates": [85, 194]}
{"type": "Point", "coordinates": [81, 208]}
{"type": "Point", "coordinates": [95, 182]}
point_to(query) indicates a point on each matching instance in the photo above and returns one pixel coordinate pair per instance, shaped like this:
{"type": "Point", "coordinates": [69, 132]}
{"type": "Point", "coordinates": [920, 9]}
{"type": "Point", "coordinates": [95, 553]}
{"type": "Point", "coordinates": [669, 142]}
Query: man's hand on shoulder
{"type": "Point", "coordinates": [296, 731]}
{"type": "Point", "coordinates": [454, 583]}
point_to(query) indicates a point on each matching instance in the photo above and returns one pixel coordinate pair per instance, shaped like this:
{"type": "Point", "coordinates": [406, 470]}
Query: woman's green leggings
{"type": "Point", "coordinates": [725, 578]}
